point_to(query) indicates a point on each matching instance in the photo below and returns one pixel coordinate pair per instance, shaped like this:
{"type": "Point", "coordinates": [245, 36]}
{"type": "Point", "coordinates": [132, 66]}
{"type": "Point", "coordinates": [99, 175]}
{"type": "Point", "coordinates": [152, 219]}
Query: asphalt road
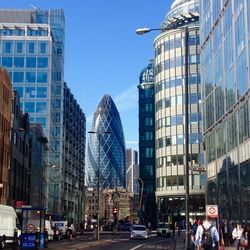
{"type": "Point", "coordinates": [120, 241]}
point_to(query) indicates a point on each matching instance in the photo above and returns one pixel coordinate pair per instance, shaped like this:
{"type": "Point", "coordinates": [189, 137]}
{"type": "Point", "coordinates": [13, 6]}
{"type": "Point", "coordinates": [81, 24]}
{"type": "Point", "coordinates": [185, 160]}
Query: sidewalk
{"type": "Point", "coordinates": [180, 242]}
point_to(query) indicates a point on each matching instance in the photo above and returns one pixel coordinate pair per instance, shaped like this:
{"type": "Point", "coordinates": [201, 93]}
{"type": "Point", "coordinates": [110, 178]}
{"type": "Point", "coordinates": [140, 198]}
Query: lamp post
{"type": "Point", "coordinates": [181, 24]}
{"type": "Point", "coordinates": [99, 133]}
{"type": "Point", "coordinates": [141, 194]}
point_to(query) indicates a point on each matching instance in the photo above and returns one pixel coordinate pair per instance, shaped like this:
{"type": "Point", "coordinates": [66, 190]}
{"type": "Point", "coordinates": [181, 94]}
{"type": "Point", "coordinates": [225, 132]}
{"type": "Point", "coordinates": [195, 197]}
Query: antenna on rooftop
{"type": "Point", "coordinates": [33, 6]}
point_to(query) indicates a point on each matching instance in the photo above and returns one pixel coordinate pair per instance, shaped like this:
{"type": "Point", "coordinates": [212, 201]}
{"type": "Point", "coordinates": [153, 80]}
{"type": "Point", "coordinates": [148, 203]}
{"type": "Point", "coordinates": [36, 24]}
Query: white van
{"type": "Point", "coordinates": [8, 225]}
{"type": "Point", "coordinates": [62, 225]}
{"type": "Point", "coordinates": [50, 230]}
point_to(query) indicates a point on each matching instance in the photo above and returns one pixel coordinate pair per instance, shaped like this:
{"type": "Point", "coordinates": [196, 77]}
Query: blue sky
{"type": "Point", "coordinates": [103, 55]}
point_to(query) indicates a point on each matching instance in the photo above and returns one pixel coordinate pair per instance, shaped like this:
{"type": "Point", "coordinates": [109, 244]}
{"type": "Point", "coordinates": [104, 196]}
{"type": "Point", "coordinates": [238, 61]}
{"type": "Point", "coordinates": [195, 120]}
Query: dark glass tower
{"type": "Point", "coordinates": [106, 151]}
{"type": "Point", "coordinates": [147, 143]}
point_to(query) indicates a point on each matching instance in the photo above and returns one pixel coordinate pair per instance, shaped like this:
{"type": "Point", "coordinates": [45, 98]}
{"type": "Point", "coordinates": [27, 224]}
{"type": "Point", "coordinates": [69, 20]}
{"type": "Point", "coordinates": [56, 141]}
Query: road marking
{"type": "Point", "coordinates": [150, 243]}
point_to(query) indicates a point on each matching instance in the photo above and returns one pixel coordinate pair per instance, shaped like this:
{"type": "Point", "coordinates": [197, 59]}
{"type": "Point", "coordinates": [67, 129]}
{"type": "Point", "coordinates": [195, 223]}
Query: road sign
{"type": "Point", "coordinates": [212, 211]}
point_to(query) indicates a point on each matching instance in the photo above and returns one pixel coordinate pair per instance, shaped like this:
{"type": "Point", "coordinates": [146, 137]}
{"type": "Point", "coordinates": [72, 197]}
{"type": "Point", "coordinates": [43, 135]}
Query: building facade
{"type": "Point", "coordinates": [74, 158]}
{"type": "Point", "coordinates": [106, 147]}
{"type": "Point", "coordinates": [132, 173]}
{"type": "Point", "coordinates": [5, 123]}
{"type": "Point", "coordinates": [225, 61]}
{"type": "Point", "coordinates": [147, 143]}
{"type": "Point", "coordinates": [170, 113]}
{"type": "Point", "coordinates": [20, 168]}
{"type": "Point", "coordinates": [32, 50]}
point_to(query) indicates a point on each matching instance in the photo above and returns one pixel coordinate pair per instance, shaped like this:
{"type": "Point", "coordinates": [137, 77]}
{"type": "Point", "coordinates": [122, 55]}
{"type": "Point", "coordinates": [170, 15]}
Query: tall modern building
{"type": "Point", "coordinates": [170, 113]}
{"type": "Point", "coordinates": [147, 142]}
{"type": "Point", "coordinates": [32, 50]}
{"type": "Point", "coordinates": [106, 147]}
{"type": "Point", "coordinates": [225, 63]}
{"type": "Point", "coordinates": [132, 171]}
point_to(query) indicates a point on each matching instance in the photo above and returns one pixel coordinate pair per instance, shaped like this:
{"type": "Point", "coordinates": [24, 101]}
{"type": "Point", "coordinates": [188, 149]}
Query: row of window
{"type": "Point", "coordinates": [176, 81]}
{"type": "Point", "coordinates": [25, 62]}
{"type": "Point", "coordinates": [194, 138]}
{"type": "Point", "coordinates": [40, 119]}
{"type": "Point", "coordinates": [29, 77]}
{"type": "Point", "coordinates": [172, 101]}
{"type": "Point", "coordinates": [176, 62]}
{"type": "Point", "coordinates": [168, 181]}
{"type": "Point", "coordinates": [32, 92]}
{"type": "Point", "coordinates": [177, 120]}
{"type": "Point", "coordinates": [175, 43]}
{"type": "Point", "coordinates": [20, 47]}
{"type": "Point", "coordinates": [235, 131]}
{"type": "Point", "coordinates": [38, 107]}
{"type": "Point", "coordinates": [21, 32]}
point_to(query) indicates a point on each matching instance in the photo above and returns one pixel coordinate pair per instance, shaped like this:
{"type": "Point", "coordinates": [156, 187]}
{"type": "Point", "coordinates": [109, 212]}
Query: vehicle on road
{"type": "Point", "coordinates": [8, 226]}
{"type": "Point", "coordinates": [163, 229]}
{"type": "Point", "coordinates": [57, 235]}
{"type": "Point", "coordinates": [50, 230]}
{"type": "Point", "coordinates": [139, 231]}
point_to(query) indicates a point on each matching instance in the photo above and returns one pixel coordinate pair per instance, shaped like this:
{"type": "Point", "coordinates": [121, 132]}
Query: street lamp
{"type": "Point", "coordinates": [181, 24]}
{"type": "Point", "coordinates": [141, 194]}
{"type": "Point", "coordinates": [99, 133]}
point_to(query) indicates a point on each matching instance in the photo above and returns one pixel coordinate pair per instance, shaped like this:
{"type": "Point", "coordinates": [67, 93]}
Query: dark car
{"type": "Point", "coordinates": [127, 227]}
{"type": "Point", "coordinates": [58, 235]}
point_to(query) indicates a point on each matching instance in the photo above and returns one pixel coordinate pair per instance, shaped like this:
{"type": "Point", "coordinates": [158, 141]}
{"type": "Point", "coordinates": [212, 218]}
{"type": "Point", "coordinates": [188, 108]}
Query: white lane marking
{"type": "Point", "coordinates": [138, 246]}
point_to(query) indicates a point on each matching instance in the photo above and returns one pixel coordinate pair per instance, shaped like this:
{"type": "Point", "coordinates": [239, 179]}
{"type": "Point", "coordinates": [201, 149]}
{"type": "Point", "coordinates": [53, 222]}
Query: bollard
{"type": "Point", "coordinates": [46, 237]}
{"type": "Point", "coordinates": [37, 242]}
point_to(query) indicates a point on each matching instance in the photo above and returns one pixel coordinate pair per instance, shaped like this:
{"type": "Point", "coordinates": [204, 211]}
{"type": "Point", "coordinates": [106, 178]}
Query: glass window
{"type": "Point", "coordinates": [149, 152]}
{"type": "Point", "coordinates": [228, 19]}
{"type": "Point", "coordinates": [230, 89]}
{"type": "Point", "coordinates": [7, 62]}
{"type": "Point", "coordinates": [18, 77]}
{"type": "Point", "coordinates": [173, 101]}
{"type": "Point", "coordinates": [216, 9]}
{"type": "Point", "coordinates": [31, 62]}
{"type": "Point", "coordinates": [217, 67]}
{"type": "Point", "coordinates": [179, 99]}
{"type": "Point", "coordinates": [41, 92]}
{"type": "Point", "coordinates": [238, 6]}
{"type": "Point", "coordinates": [179, 119]}
{"type": "Point", "coordinates": [149, 135]}
{"type": "Point", "coordinates": [229, 55]}
{"type": "Point", "coordinates": [41, 120]}
{"type": "Point", "coordinates": [43, 47]}
{"type": "Point", "coordinates": [19, 47]}
{"type": "Point", "coordinates": [243, 123]}
{"type": "Point", "coordinates": [42, 62]}
{"type": "Point", "coordinates": [30, 92]}
{"type": "Point", "coordinates": [55, 117]}
{"type": "Point", "coordinates": [31, 47]}
{"type": "Point", "coordinates": [231, 135]}
{"type": "Point", "coordinates": [240, 34]}
{"type": "Point", "coordinates": [19, 62]}
{"type": "Point", "coordinates": [7, 47]}
{"type": "Point", "coordinates": [221, 145]}
{"type": "Point", "coordinates": [195, 138]}
{"type": "Point", "coordinates": [148, 121]}
{"type": "Point", "coordinates": [180, 140]}
{"type": "Point", "coordinates": [241, 74]}
{"type": "Point", "coordinates": [31, 77]}
{"type": "Point", "coordinates": [41, 107]}
{"type": "Point", "coordinates": [56, 103]}
{"type": "Point", "coordinates": [29, 107]}
{"type": "Point", "coordinates": [172, 44]}
{"type": "Point", "coordinates": [178, 42]}
{"type": "Point", "coordinates": [42, 77]}
{"type": "Point", "coordinates": [56, 90]}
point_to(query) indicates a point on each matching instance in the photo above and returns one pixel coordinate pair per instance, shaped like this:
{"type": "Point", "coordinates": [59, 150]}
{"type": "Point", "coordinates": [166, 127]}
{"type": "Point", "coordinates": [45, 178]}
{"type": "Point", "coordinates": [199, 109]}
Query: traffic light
{"type": "Point", "coordinates": [114, 210]}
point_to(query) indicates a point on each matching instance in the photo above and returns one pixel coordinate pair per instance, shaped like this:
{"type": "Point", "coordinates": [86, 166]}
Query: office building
{"type": "Point", "coordinates": [170, 114]}
{"type": "Point", "coordinates": [225, 61]}
{"type": "Point", "coordinates": [147, 143]}
{"type": "Point", "coordinates": [106, 147]}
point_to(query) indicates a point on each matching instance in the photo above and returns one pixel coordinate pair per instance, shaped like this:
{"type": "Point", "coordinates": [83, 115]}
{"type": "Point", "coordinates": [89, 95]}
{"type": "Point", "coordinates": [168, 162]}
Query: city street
{"type": "Point", "coordinates": [110, 241]}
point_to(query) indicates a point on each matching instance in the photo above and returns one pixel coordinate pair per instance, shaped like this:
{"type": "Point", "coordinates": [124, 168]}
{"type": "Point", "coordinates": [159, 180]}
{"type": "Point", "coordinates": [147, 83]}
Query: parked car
{"type": "Point", "coordinates": [58, 235]}
{"type": "Point", "coordinates": [139, 231]}
{"type": "Point", "coordinates": [163, 229]}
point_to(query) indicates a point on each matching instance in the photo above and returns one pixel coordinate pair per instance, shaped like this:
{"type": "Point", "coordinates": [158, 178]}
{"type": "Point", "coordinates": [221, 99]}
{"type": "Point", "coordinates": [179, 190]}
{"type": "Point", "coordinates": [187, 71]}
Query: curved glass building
{"type": "Point", "coordinates": [170, 113]}
{"type": "Point", "coordinates": [106, 147]}
{"type": "Point", "coordinates": [225, 62]}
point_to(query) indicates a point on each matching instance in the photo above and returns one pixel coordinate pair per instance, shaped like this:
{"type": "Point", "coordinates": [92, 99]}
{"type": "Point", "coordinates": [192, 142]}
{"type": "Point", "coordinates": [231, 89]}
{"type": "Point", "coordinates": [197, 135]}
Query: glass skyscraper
{"type": "Point", "coordinates": [32, 50]}
{"type": "Point", "coordinates": [170, 113]}
{"type": "Point", "coordinates": [147, 143]}
{"type": "Point", "coordinates": [225, 62]}
{"type": "Point", "coordinates": [106, 147]}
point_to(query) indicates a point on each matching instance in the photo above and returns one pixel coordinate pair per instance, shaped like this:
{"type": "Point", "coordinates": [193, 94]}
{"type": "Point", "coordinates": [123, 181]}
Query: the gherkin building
{"type": "Point", "coordinates": [106, 147]}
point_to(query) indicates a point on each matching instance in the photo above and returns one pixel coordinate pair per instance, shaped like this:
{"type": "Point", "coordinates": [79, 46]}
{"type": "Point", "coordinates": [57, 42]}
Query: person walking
{"type": "Point", "coordinates": [226, 232]}
{"type": "Point", "coordinates": [236, 234]}
{"type": "Point", "coordinates": [207, 236]}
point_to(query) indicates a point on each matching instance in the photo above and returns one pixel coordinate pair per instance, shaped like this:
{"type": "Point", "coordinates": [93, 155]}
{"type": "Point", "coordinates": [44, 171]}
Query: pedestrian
{"type": "Point", "coordinates": [236, 234]}
{"type": "Point", "coordinates": [82, 227]}
{"type": "Point", "coordinates": [207, 236]}
{"type": "Point", "coordinates": [226, 232]}
{"type": "Point", "coordinates": [173, 229]}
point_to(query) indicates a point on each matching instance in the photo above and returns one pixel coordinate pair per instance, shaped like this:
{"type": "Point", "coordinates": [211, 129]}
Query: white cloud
{"type": "Point", "coordinates": [127, 100]}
